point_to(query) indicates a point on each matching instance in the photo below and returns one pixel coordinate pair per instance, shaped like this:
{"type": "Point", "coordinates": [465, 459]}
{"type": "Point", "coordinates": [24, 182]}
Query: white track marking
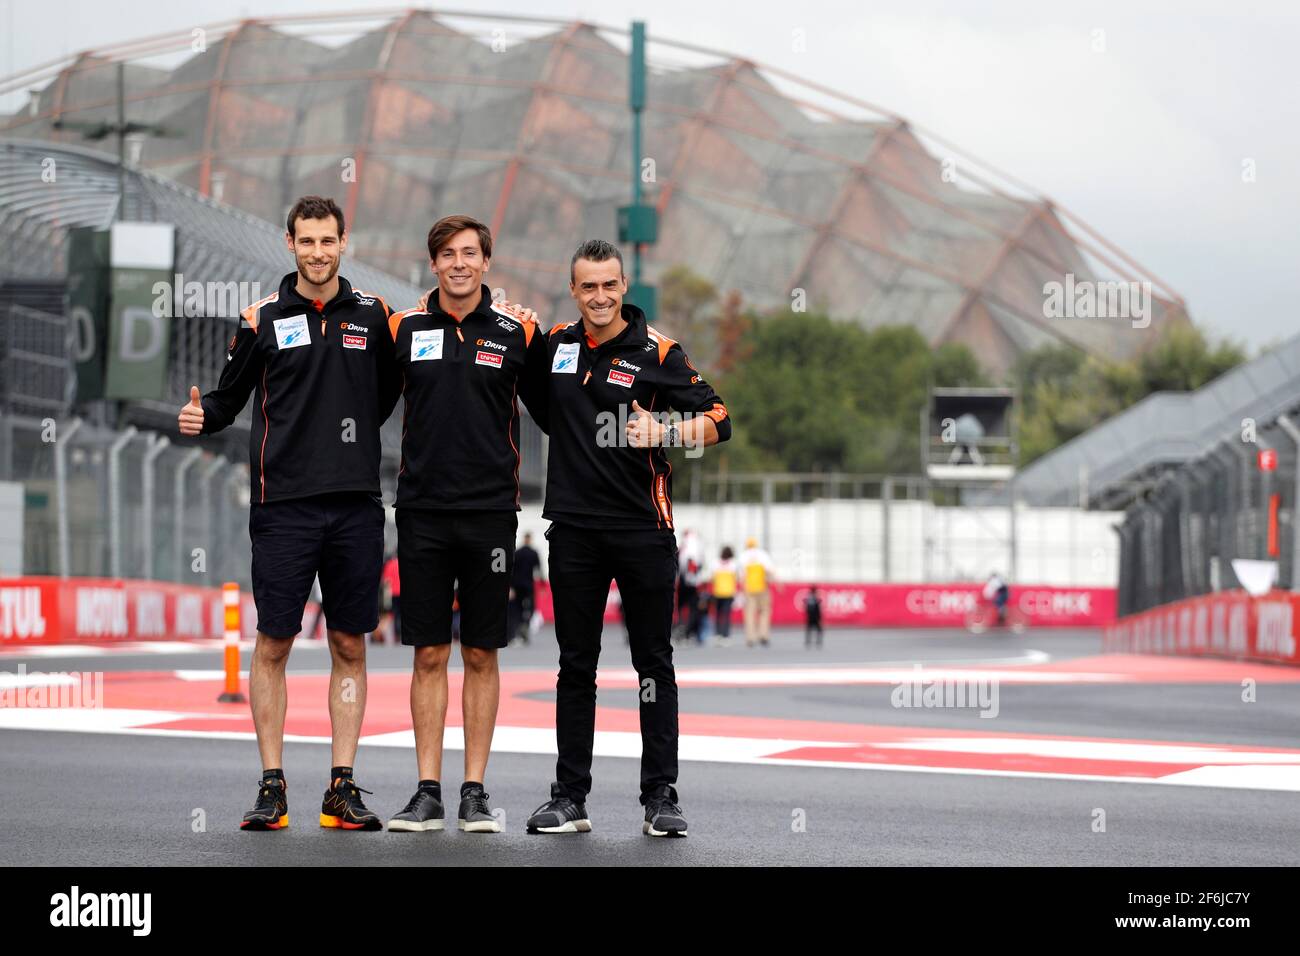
{"type": "Point", "coordinates": [1256, 770]}
{"type": "Point", "coordinates": [789, 676]}
{"type": "Point", "coordinates": [1144, 752]}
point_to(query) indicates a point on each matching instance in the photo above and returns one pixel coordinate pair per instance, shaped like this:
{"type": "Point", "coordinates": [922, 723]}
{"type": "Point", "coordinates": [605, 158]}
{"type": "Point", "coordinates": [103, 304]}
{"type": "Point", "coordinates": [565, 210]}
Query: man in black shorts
{"type": "Point", "coordinates": [609, 496]}
{"type": "Point", "coordinates": [318, 354]}
{"type": "Point", "coordinates": [463, 361]}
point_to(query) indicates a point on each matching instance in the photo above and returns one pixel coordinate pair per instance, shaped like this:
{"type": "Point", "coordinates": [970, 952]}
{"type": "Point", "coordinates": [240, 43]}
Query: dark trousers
{"type": "Point", "coordinates": [644, 563]}
{"type": "Point", "coordinates": [686, 600]}
{"type": "Point", "coordinates": [722, 616]}
{"type": "Point", "coordinates": [518, 614]}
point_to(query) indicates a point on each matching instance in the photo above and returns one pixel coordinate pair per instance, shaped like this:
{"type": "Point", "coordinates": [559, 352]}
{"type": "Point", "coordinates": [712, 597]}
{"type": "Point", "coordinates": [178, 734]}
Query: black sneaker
{"type": "Point", "coordinates": [475, 813]}
{"type": "Point", "coordinates": [271, 812]}
{"type": "Point", "coordinates": [342, 808]}
{"type": "Point", "coordinates": [663, 817]}
{"type": "Point", "coordinates": [422, 812]}
{"type": "Point", "coordinates": [559, 815]}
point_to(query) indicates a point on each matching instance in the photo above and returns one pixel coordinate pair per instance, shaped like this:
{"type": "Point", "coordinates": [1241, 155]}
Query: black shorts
{"type": "Point", "coordinates": [338, 536]}
{"type": "Point", "coordinates": [470, 552]}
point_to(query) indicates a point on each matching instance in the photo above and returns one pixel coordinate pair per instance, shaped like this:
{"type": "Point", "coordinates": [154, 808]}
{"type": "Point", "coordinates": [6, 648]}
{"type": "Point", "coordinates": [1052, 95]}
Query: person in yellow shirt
{"type": "Point", "coordinates": [724, 595]}
{"type": "Point", "coordinates": [756, 572]}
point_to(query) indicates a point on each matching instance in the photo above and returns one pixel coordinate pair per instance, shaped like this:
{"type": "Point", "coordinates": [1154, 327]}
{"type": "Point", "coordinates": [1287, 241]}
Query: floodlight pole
{"type": "Point", "coordinates": [636, 100]}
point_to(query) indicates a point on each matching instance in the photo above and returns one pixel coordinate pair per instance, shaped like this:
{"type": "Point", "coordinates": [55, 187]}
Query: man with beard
{"type": "Point", "coordinates": [319, 357]}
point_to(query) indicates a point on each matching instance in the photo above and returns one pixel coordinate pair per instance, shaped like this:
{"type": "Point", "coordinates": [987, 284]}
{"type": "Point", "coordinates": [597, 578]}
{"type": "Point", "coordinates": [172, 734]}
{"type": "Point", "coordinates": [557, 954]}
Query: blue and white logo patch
{"type": "Point", "coordinates": [426, 345]}
{"type": "Point", "coordinates": [566, 358]}
{"type": "Point", "coordinates": [292, 332]}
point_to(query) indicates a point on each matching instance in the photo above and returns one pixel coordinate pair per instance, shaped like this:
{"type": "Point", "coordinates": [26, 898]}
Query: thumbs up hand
{"type": "Point", "coordinates": [642, 429]}
{"type": "Point", "coordinates": [191, 416]}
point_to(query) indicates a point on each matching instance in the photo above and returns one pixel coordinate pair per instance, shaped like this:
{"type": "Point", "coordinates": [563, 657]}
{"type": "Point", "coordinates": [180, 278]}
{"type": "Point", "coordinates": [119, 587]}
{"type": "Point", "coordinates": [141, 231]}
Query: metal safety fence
{"type": "Point", "coordinates": [1235, 501]}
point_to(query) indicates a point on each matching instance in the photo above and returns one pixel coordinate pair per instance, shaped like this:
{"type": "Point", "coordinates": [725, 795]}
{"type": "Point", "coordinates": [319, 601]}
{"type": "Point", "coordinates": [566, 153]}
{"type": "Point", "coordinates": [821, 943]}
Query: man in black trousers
{"type": "Point", "coordinates": [609, 498]}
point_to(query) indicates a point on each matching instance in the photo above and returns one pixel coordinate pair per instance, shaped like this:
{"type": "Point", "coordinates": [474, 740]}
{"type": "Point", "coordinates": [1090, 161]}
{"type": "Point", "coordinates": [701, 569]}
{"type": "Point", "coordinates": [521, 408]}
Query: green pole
{"type": "Point", "coordinates": [636, 99]}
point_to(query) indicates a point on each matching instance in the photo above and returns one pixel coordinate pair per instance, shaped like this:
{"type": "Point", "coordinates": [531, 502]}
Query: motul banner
{"type": "Point", "coordinates": [1226, 624]}
{"type": "Point", "coordinates": [47, 610]}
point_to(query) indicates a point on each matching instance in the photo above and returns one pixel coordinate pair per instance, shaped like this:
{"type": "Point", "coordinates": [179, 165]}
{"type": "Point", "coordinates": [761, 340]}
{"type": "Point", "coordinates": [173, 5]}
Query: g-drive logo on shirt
{"type": "Point", "coordinates": [566, 358]}
{"type": "Point", "coordinates": [426, 345]}
{"type": "Point", "coordinates": [292, 332]}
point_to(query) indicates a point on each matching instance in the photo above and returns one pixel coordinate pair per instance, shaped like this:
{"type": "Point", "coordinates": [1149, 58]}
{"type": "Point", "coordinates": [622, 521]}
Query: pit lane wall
{"type": "Point", "coordinates": [1224, 624]}
{"type": "Point", "coordinates": [51, 610]}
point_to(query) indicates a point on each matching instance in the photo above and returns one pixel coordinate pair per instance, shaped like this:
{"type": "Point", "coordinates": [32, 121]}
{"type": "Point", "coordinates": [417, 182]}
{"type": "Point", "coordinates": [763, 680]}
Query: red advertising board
{"type": "Point", "coordinates": [44, 610]}
{"type": "Point", "coordinates": [1227, 624]}
{"type": "Point", "coordinates": [916, 605]}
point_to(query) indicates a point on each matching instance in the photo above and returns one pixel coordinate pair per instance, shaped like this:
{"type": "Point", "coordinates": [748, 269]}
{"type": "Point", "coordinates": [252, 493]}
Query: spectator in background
{"type": "Point", "coordinates": [690, 562]}
{"type": "Point", "coordinates": [724, 595]}
{"type": "Point", "coordinates": [701, 625]}
{"type": "Point", "coordinates": [756, 572]}
{"type": "Point", "coordinates": [455, 611]}
{"type": "Point", "coordinates": [523, 590]}
{"type": "Point", "coordinates": [392, 583]}
{"type": "Point", "coordinates": [812, 609]}
{"type": "Point", "coordinates": [997, 592]}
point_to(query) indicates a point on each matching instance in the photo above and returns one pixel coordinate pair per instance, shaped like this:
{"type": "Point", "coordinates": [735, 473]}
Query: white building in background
{"type": "Point", "coordinates": [836, 540]}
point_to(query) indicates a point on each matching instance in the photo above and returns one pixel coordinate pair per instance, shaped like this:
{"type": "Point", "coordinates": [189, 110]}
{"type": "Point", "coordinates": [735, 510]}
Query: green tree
{"type": "Point", "coordinates": [1183, 360]}
{"type": "Point", "coordinates": [1063, 392]}
{"type": "Point", "coordinates": [954, 365]}
{"type": "Point", "coordinates": [814, 395]}
{"type": "Point", "coordinates": [686, 313]}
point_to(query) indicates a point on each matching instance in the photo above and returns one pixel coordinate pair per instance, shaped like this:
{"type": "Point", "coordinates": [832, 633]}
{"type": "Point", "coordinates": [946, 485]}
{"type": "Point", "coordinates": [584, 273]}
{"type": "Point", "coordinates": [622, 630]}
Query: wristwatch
{"type": "Point", "coordinates": [672, 436]}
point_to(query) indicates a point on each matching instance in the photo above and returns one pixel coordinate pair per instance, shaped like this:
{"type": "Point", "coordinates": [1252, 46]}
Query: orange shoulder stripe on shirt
{"type": "Point", "coordinates": [395, 320]}
{"type": "Point", "coordinates": [718, 412]}
{"type": "Point", "coordinates": [559, 325]}
{"type": "Point", "coordinates": [529, 325]}
{"type": "Point", "coordinates": [251, 314]}
{"type": "Point", "coordinates": [665, 343]}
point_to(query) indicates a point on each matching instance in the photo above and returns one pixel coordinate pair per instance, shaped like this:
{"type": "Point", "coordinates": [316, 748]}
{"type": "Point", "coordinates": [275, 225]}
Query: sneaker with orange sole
{"type": "Point", "coordinates": [342, 808]}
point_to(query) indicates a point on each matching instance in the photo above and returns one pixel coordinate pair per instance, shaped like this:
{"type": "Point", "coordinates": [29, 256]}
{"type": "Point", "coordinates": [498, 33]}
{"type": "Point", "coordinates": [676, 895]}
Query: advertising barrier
{"type": "Point", "coordinates": [1226, 624]}
{"type": "Point", "coordinates": [48, 610]}
{"type": "Point", "coordinates": [914, 605]}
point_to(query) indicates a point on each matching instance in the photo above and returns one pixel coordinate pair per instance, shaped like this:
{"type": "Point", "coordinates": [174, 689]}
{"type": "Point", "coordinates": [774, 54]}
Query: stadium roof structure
{"type": "Point", "coordinates": [1110, 465]}
{"type": "Point", "coordinates": [765, 183]}
{"type": "Point", "coordinates": [214, 242]}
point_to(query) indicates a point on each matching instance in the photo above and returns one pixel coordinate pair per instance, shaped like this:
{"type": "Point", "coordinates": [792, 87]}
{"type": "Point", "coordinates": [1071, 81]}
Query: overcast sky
{"type": "Point", "coordinates": [1144, 139]}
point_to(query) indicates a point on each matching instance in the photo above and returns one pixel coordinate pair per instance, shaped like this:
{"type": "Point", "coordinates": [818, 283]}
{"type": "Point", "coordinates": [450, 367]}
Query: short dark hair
{"type": "Point", "coordinates": [727, 553]}
{"type": "Point", "coordinates": [448, 226]}
{"type": "Point", "coordinates": [596, 250]}
{"type": "Point", "coordinates": [315, 207]}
